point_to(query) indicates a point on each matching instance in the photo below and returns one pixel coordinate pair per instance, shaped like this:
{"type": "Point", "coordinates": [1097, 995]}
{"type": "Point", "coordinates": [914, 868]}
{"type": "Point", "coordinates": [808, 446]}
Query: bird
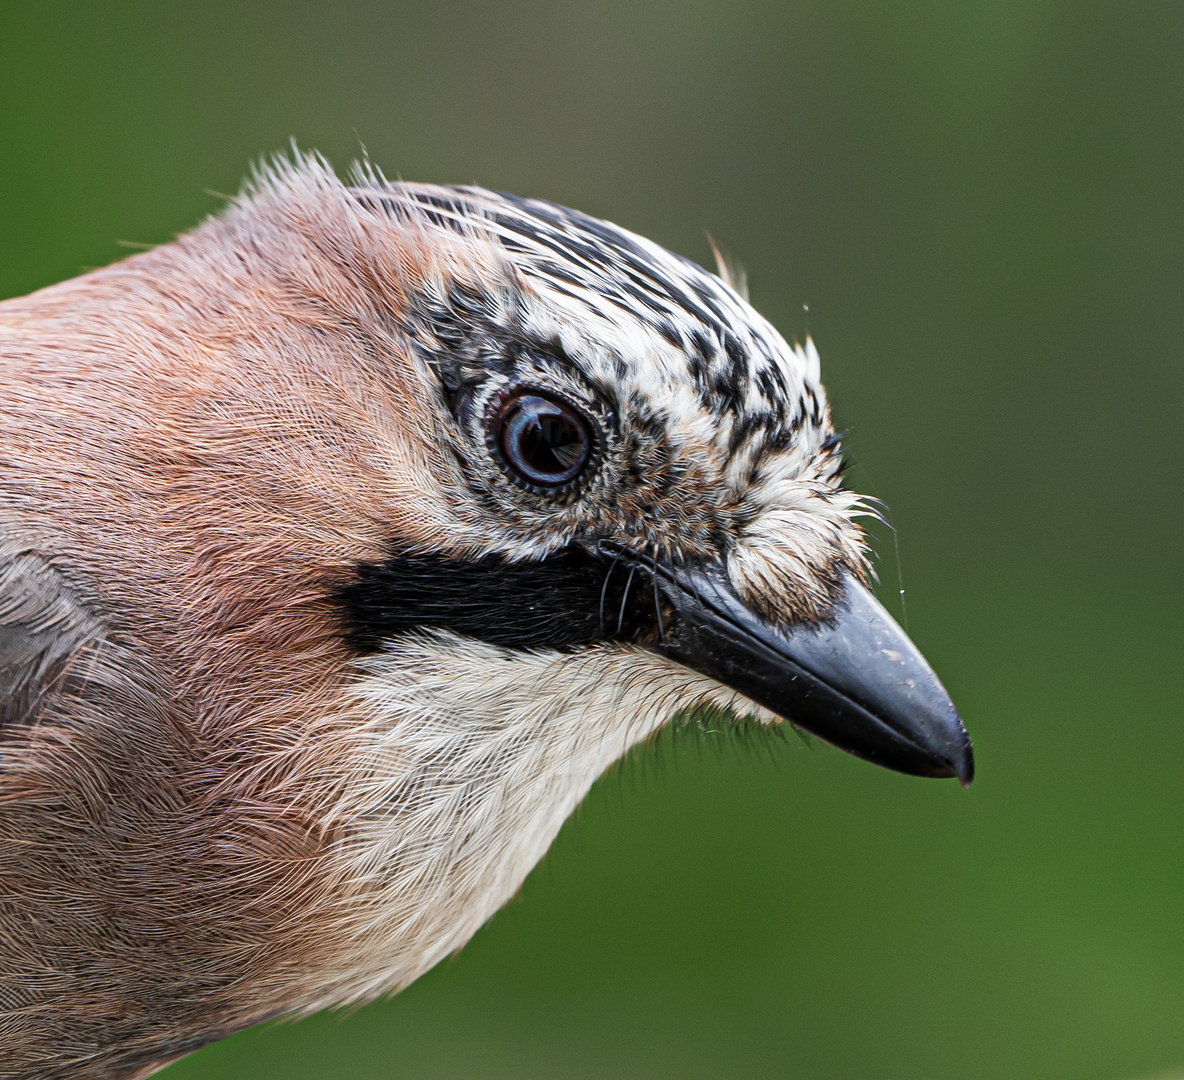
{"type": "Point", "coordinates": [345, 541]}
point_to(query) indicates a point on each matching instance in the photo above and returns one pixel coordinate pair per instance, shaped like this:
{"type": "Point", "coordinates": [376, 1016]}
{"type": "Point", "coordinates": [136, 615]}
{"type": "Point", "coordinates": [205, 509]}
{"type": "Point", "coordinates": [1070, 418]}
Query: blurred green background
{"type": "Point", "coordinates": [981, 204]}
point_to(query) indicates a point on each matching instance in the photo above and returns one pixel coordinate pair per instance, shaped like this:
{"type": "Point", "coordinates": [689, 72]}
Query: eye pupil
{"type": "Point", "coordinates": [543, 440]}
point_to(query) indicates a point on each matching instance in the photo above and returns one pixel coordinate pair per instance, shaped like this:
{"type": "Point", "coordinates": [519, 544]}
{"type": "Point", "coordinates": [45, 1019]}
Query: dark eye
{"type": "Point", "coordinates": [542, 439]}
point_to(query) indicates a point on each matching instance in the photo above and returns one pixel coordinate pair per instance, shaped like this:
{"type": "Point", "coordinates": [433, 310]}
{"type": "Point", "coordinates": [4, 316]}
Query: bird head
{"type": "Point", "coordinates": [627, 506]}
{"type": "Point", "coordinates": [627, 460]}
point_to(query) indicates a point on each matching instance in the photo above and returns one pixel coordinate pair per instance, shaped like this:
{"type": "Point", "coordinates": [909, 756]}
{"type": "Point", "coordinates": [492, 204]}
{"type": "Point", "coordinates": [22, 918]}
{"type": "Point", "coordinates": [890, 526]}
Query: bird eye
{"type": "Point", "coordinates": [541, 439]}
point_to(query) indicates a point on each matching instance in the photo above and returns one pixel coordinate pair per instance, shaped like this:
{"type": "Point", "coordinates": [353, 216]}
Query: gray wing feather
{"type": "Point", "coordinates": [45, 624]}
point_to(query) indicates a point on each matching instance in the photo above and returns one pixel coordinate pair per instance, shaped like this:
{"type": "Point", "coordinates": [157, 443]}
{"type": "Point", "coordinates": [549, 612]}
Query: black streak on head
{"type": "Point", "coordinates": [595, 263]}
{"type": "Point", "coordinates": [565, 601]}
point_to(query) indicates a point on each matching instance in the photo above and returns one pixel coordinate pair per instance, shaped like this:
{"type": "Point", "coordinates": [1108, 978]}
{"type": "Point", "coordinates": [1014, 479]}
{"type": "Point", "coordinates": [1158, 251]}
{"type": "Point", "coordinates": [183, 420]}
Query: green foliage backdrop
{"type": "Point", "coordinates": [981, 204]}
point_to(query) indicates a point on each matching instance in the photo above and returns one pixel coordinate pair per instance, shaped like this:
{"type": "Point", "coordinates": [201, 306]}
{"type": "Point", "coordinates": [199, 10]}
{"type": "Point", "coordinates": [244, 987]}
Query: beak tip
{"type": "Point", "coordinates": [949, 763]}
{"type": "Point", "coordinates": [965, 772]}
{"type": "Point", "coordinates": [960, 760]}
{"type": "Point", "coordinates": [947, 748]}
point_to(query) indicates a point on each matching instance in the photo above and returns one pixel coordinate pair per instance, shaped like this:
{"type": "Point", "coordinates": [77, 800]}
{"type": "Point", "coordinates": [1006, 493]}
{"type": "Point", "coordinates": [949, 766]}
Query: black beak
{"type": "Point", "coordinates": [856, 681]}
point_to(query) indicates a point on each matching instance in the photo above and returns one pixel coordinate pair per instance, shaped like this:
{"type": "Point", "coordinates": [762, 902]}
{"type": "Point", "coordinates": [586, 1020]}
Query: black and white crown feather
{"type": "Point", "coordinates": [717, 440]}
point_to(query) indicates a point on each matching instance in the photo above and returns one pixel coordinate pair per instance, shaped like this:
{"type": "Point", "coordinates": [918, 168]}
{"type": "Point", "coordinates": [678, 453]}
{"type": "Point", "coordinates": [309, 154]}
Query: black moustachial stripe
{"type": "Point", "coordinates": [571, 598]}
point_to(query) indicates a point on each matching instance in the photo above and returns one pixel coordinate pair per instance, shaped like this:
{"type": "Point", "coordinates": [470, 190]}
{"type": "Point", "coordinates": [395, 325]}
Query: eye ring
{"type": "Point", "coordinates": [543, 442]}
